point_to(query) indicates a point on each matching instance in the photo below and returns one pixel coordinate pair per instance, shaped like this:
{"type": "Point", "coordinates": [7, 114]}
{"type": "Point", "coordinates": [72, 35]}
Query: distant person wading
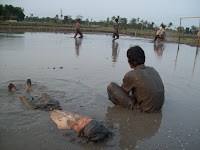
{"type": "Point", "coordinates": [78, 31]}
{"type": "Point", "coordinates": [116, 30]}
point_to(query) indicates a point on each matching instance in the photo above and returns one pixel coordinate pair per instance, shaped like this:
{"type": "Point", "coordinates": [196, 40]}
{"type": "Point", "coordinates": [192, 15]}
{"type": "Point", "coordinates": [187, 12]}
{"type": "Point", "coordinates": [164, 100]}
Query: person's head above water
{"type": "Point", "coordinates": [116, 20]}
{"type": "Point", "coordinates": [135, 56]}
{"type": "Point", "coordinates": [11, 87]}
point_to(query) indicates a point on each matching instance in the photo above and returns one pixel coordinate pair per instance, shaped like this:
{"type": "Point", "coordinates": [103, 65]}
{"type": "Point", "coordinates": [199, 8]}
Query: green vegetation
{"type": "Point", "coordinates": [136, 26]}
{"type": "Point", "coordinates": [8, 12]}
{"type": "Point", "coordinates": [135, 23]}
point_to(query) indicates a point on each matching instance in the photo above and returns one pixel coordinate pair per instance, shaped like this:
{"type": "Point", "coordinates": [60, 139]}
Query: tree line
{"type": "Point", "coordinates": [134, 23]}
{"type": "Point", "coordinates": [8, 12]}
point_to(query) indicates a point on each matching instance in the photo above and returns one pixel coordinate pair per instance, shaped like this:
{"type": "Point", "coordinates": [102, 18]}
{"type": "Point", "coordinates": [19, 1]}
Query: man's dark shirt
{"type": "Point", "coordinates": [116, 26]}
{"type": "Point", "coordinates": [147, 88]}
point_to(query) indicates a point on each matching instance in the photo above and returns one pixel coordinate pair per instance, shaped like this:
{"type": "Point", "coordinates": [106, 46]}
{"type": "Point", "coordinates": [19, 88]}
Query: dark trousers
{"type": "Point", "coordinates": [78, 31]}
{"type": "Point", "coordinates": [156, 37]}
{"type": "Point", "coordinates": [119, 96]}
{"type": "Point", "coordinates": [115, 33]}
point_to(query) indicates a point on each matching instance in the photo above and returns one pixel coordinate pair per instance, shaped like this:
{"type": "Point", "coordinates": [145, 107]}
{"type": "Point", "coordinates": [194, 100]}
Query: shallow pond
{"type": "Point", "coordinates": [76, 72]}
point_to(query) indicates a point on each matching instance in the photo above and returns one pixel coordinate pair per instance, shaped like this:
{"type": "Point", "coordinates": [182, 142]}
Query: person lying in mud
{"type": "Point", "coordinates": [42, 102]}
{"type": "Point", "coordinates": [158, 35]}
{"type": "Point", "coordinates": [78, 31]}
{"type": "Point", "coordinates": [36, 100]}
{"type": "Point", "coordinates": [144, 82]}
{"type": "Point", "coordinates": [86, 127]}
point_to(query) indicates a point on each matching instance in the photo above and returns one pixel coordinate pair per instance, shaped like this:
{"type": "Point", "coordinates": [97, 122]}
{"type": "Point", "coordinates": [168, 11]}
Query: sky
{"type": "Point", "coordinates": [156, 11]}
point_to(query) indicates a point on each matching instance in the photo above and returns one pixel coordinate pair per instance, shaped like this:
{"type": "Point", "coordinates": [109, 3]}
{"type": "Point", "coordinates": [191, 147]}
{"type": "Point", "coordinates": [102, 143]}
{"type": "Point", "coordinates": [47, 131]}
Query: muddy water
{"type": "Point", "coordinates": [76, 72]}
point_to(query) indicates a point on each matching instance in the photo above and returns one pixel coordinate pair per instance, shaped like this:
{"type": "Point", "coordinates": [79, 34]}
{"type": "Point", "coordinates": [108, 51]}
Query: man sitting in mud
{"type": "Point", "coordinates": [78, 31]}
{"type": "Point", "coordinates": [144, 82]}
{"type": "Point", "coordinates": [86, 127]}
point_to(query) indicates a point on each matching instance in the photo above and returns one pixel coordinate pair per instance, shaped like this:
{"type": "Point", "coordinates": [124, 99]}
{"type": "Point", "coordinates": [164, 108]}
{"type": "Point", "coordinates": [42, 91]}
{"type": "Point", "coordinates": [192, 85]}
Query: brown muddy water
{"type": "Point", "coordinates": [76, 73]}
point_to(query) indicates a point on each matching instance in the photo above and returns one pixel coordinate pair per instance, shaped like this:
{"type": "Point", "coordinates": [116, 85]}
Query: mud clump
{"type": "Point", "coordinates": [42, 102]}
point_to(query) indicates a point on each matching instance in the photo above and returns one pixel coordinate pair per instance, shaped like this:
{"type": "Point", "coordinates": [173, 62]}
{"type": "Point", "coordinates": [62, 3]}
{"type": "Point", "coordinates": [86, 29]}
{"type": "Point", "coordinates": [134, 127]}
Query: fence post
{"type": "Point", "coordinates": [179, 32]}
{"type": "Point", "coordinates": [198, 35]}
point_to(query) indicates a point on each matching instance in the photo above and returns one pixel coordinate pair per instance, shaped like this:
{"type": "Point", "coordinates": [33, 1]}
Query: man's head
{"type": "Point", "coordinates": [135, 56]}
{"type": "Point", "coordinates": [116, 20]}
{"type": "Point", "coordinates": [11, 87]}
{"type": "Point", "coordinates": [78, 20]}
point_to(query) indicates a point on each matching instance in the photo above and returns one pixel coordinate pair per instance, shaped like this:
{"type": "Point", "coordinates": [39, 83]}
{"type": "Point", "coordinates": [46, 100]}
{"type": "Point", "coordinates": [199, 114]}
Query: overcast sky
{"type": "Point", "coordinates": [151, 10]}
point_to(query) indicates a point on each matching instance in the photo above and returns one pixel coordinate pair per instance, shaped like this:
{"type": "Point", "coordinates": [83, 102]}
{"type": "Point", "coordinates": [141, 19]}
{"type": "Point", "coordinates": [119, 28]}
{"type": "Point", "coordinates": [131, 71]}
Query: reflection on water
{"type": "Point", "coordinates": [159, 48]}
{"type": "Point", "coordinates": [115, 51]}
{"type": "Point", "coordinates": [133, 126]}
{"type": "Point", "coordinates": [77, 45]}
{"type": "Point", "coordinates": [195, 59]}
{"type": "Point", "coordinates": [80, 87]}
{"type": "Point", "coordinates": [176, 58]}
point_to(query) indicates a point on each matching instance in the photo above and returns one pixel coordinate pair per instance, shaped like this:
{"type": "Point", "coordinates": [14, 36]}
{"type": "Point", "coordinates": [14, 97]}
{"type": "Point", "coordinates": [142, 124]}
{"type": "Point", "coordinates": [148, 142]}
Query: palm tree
{"type": "Point", "coordinates": [170, 24]}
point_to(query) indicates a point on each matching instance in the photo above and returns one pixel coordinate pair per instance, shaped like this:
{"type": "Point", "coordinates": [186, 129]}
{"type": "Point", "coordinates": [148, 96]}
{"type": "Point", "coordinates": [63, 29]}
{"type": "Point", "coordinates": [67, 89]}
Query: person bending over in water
{"type": "Point", "coordinates": [78, 31]}
{"type": "Point", "coordinates": [116, 30]}
{"type": "Point", "coordinates": [86, 127]}
{"type": "Point", "coordinates": [11, 87]}
{"type": "Point", "coordinates": [158, 35]}
{"type": "Point", "coordinates": [144, 82]}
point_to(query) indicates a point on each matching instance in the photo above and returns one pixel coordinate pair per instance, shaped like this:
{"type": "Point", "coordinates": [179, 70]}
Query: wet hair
{"type": "Point", "coordinates": [136, 56]}
{"type": "Point", "coordinates": [78, 20]}
{"type": "Point", "coordinates": [116, 20]}
{"type": "Point", "coordinates": [10, 86]}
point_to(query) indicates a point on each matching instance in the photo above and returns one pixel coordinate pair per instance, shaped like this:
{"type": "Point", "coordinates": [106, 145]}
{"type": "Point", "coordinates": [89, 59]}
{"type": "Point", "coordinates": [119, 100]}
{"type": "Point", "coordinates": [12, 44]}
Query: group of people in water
{"type": "Point", "coordinates": [160, 32]}
{"type": "Point", "coordinates": [142, 90]}
{"type": "Point", "coordinates": [115, 33]}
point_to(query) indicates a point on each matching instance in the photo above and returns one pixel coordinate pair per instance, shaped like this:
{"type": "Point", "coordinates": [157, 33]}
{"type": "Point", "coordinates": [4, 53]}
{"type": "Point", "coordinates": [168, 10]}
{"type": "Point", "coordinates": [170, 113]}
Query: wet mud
{"type": "Point", "coordinates": [89, 65]}
{"type": "Point", "coordinates": [42, 102]}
